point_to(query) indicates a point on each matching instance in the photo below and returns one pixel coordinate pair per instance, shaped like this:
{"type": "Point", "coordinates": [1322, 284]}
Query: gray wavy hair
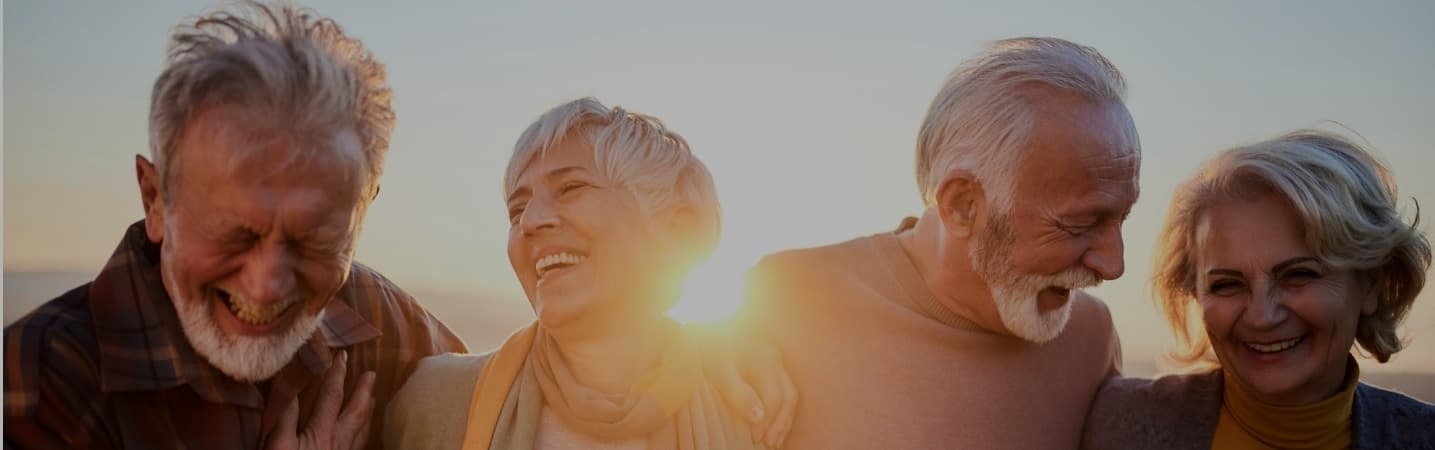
{"type": "Point", "coordinates": [1347, 202]}
{"type": "Point", "coordinates": [281, 65]}
{"type": "Point", "coordinates": [981, 118]}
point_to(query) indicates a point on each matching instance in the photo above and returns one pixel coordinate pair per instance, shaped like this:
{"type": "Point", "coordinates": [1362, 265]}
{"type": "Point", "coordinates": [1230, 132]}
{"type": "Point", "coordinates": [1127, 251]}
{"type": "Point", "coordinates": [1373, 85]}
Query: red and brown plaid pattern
{"type": "Point", "coordinates": [106, 365]}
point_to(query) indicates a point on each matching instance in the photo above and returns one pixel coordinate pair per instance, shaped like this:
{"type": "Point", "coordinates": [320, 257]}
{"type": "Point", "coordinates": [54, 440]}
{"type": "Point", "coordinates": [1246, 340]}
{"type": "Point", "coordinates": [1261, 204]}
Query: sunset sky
{"type": "Point", "coordinates": [806, 113]}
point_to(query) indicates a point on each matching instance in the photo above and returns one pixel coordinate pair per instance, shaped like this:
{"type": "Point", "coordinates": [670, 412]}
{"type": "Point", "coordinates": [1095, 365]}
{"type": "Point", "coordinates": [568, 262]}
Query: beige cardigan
{"type": "Point", "coordinates": [431, 410]}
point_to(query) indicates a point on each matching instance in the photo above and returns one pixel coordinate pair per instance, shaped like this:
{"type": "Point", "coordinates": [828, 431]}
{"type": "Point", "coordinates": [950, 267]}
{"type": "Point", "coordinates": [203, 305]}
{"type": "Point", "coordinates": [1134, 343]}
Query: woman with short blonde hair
{"type": "Point", "coordinates": [1289, 252]}
{"type": "Point", "coordinates": [609, 211]}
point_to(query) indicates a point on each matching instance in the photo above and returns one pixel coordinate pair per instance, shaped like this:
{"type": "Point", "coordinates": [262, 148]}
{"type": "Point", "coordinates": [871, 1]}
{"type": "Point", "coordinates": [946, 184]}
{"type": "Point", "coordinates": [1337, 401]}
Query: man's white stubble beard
{"type": "Point", "coordinates": [1015, 295]}
{"type": "Point", "coordinates": [244, 358]}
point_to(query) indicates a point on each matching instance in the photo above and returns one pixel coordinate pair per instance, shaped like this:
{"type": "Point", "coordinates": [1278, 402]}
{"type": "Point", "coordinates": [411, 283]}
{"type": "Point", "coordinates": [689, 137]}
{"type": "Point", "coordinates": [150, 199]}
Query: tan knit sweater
{"type": "Point", "coordinates": [880, 364]}
{"type": "Point", "coordinates": [431, 411]}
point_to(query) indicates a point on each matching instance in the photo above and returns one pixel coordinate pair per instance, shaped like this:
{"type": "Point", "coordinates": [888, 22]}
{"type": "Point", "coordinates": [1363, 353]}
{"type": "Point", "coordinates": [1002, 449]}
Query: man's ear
{"type": "Point", "coordinates": [152, 198]}
{"type": "Point", "coordinates": [961, 203]}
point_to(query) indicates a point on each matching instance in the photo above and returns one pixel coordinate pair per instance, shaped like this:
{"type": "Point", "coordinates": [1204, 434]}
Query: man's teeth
{"type": "Point", "coordinates": [1274, 346]}
{"type": "Point", "coordinates": [549, 261]}
{"type": "Point", "coordinates": [254, 314]}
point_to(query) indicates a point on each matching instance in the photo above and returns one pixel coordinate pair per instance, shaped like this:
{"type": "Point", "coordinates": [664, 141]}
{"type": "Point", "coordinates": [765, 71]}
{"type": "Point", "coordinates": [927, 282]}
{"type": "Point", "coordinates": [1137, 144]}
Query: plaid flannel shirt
{"type": "Point", "coordinates": [106, 365]}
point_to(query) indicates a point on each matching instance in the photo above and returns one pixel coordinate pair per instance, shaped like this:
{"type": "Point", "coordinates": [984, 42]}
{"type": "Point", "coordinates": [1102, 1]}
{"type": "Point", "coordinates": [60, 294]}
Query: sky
{"type": "Point", "coordinates": [805, 112]}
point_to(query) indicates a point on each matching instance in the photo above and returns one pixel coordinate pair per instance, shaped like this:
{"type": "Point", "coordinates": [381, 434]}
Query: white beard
{"type": "Point", "coordinates": [1016, 294]}
{"type": "Point", "coordinates": [245, 358]}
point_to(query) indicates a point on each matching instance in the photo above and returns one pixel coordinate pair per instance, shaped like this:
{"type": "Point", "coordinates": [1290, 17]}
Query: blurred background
{"type": "Point", "coordinates": [806, 113]}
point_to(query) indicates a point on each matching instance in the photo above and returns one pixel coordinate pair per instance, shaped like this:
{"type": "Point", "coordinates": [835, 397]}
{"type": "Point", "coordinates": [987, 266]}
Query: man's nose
{"type": "Point", "coordinates": [269, 276]}
{"type": "Point", "coordinates": [1105, 257]}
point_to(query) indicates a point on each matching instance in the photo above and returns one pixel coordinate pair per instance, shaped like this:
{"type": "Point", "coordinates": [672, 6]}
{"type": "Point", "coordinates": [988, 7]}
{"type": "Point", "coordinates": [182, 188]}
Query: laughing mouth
{"type": "Point", "coordinates": [1275, 347]}
{"type": "Point", "coordinates": [557, 261]}
{"type": "Point", "coordinates": [253, 313]}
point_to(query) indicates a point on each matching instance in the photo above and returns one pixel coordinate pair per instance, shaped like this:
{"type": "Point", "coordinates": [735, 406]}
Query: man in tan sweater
{"type": "Point", "coordinates": [965, 327]}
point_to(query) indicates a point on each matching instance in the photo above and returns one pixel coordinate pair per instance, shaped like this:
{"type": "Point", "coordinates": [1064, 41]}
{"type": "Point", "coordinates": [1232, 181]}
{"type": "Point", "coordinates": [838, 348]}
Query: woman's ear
{"type": "Point", "coordinates": [679, 225]}
{"type": "Point", "coordinates": [1371, 301]}
{"type": "Point", "coordinates": [961, 202]}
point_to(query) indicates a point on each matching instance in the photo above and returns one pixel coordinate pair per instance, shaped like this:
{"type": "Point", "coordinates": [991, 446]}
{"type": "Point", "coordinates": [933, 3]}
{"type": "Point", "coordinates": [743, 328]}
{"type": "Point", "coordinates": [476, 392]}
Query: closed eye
{"type": "Point", "coordinates": [1074, 229]}
{"type": "Point", "coordinates": [1225, 288]}
{"type": "Point", "coordinates": [322, 247]}
{"type": "Point", "coordinates": [571, 186]}
{"type": "Point", "coordinates": [1301, 276]}
{"type": "Point", "coordinates": [513, 214]}
{"type": "Point", "coordinates": [240, 239]}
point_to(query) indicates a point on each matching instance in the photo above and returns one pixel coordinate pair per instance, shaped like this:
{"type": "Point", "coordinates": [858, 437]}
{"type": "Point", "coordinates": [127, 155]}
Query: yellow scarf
{"type": "Point", "coordinates": [1246, 423]}
{"type": "Point", "coordinates": [672, 405]}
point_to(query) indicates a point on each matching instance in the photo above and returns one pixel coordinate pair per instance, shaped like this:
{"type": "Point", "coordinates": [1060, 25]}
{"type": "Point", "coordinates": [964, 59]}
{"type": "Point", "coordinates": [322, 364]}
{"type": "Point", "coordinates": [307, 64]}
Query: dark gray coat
{"type": "Point", "coordinates": [1180, 412]}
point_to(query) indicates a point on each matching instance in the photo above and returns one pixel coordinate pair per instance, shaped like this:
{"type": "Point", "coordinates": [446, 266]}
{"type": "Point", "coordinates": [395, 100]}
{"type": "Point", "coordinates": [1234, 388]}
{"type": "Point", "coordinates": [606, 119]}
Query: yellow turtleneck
{"type": "Point", "coordinates": [1247, 423]}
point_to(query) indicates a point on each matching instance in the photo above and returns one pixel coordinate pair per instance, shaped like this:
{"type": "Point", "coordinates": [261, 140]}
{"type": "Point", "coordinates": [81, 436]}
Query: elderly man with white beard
{"type": "Point", "coordinates": [966, 327]}
{"type": "Point", "coordinates": [235, 306]}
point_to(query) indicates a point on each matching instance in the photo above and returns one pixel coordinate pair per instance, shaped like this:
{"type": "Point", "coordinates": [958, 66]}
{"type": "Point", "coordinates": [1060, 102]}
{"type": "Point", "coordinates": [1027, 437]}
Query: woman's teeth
{"type": "Point", "coordinates": [1275, 346]}
{"type": "Point", "coordinates": [547, 262]}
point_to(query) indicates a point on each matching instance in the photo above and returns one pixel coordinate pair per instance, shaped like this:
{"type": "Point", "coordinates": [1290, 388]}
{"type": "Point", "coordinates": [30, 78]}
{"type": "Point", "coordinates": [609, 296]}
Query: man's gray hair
{"type": "Point", "coordinates": [282, 67]}
{"type": "Point", "coordinates": [633, 150]}
{"type": "Point", "coordinates": [981, 119]}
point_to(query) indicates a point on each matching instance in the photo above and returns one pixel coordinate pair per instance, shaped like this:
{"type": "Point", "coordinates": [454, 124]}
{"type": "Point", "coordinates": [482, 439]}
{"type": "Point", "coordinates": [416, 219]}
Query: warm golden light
{"type": "Point", "coordinates": [713, 291]}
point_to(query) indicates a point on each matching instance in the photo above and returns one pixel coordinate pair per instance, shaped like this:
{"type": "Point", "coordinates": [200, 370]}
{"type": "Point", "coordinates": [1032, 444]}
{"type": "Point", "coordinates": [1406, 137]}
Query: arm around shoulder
{"type": "Point", "coordinates": [1171, 412]}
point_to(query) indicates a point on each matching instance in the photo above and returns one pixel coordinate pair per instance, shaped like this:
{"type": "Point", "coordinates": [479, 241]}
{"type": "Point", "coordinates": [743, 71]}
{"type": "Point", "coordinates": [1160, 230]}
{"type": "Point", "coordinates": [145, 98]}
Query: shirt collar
{"type": "Point", "coordinates": [143, 348]}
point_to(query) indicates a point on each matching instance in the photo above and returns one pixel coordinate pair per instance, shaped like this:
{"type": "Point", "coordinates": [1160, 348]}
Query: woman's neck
{"type": "Point", "coordinates": [610, 359]}
{"type": "Point", "coordinates": [1335, 380]}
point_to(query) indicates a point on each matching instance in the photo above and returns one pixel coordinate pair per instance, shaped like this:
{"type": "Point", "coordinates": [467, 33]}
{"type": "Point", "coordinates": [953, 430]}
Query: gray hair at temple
{"type": "Point", "coordinates": [982, 117]}
{"type": "Point", "coordinates": [281, 67]}
{"type": "Point", "coordinates": [1346, 200]}
{"type": "Point", "coordinates": [633, 150]}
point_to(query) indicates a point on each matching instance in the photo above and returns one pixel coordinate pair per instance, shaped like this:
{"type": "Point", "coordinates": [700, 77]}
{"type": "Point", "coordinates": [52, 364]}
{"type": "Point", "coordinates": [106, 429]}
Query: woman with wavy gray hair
{"type": "Point", "coordinates": [1290, 252]}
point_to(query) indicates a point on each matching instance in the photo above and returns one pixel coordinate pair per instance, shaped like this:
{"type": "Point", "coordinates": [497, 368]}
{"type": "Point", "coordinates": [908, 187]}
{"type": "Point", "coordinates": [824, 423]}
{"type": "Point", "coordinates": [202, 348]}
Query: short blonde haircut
{"type": "Point", "coordinates": [633, 150]}
{"type": "Point", "coordinates": [283, 67]}
{"type": "Point", "coordinates": [1346, 200]}
{"type": "Point", "coordinates": [982, 117]}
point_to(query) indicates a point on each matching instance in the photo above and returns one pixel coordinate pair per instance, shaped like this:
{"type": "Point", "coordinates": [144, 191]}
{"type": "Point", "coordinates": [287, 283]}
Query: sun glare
{"type": "Point", "coordinates": [712, 292]}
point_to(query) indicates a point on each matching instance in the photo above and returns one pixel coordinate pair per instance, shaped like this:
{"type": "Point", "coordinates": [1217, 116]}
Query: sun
{"type": "Point", "coordinates": [713, 291]}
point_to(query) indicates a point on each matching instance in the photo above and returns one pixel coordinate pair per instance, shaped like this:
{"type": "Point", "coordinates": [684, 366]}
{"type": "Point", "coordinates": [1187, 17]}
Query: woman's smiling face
{"type": "Point", "coordinates": [579, 244]}
{"type": "Point", "coordinates": [1279, 319]}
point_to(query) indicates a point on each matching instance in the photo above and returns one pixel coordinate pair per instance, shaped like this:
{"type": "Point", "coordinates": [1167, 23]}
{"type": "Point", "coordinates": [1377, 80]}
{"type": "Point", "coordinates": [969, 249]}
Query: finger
{"type": "Point", "coordinates": [735, 391]}
{"type": "Point", "coordinates": [767, 377]}
{"type": "Point", "coordinates": [331, 394]}
{"type": "Point", "coordinates": [365, 416]}
{"type": "Point", "coordinates": [360, 408]}
{"type": "Point", "coordinates": [361, 440]}
{"type": "Point", "coordinates": [783, 423]}
{"type": "Point", "coordinates": [284, 434]}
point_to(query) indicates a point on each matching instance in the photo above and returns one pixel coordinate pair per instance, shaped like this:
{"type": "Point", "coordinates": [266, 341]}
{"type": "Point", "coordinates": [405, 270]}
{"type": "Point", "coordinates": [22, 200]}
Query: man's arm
{"type": "Point", "coordinates": [746, 365]}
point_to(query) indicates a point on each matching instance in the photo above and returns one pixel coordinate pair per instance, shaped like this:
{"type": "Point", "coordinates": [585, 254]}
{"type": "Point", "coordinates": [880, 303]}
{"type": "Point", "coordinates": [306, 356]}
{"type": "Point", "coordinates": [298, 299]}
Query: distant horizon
{"type": "Point", "coordinates": [507, 309]}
